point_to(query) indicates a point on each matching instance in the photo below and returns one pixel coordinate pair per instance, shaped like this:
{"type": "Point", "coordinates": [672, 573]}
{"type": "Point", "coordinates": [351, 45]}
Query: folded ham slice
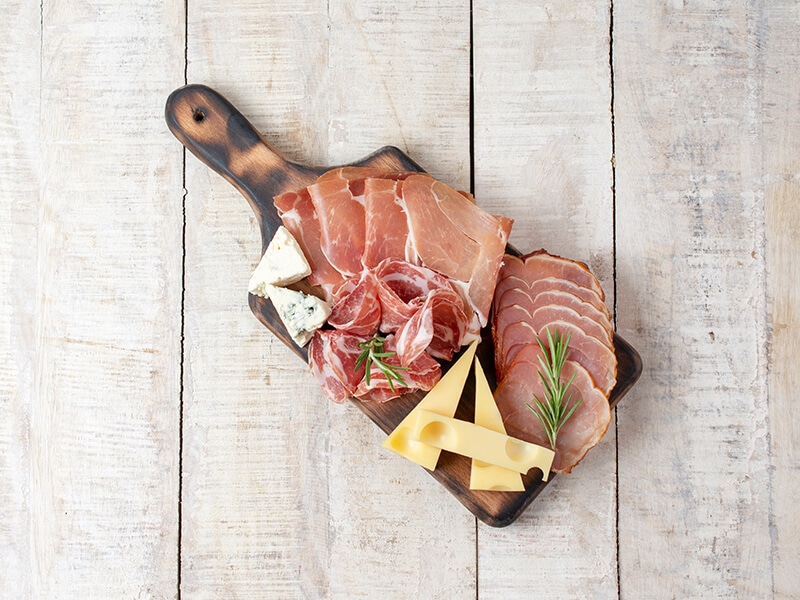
{"type": "Point", "coordinates": [359, 312]}
{"type": "Point", "coordinates": [422, 374]}
{"type": "Point", "coordinates": [539, 293]}
{"type": "Point", "coordinates": [437, 327]}
{"type": "Point", "coordinates": [332, 357]}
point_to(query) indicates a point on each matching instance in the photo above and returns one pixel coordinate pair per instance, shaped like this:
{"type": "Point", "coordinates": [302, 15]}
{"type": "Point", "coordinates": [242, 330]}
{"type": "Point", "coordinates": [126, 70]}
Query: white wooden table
{"type": "Point", "coordinates": [157, 442]}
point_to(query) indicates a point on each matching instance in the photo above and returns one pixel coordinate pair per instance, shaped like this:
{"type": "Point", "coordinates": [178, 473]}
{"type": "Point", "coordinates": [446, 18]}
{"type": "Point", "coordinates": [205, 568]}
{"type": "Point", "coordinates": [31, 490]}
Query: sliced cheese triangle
{"type": "Point", "coordinates": [485, 476]}
{"type": "Point", "coordinates": [443, 400]}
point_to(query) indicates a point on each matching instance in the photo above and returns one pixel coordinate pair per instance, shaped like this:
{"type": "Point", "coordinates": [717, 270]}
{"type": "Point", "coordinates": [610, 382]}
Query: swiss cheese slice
{"type": "Point", "coordinates": [473, 441]}
{"type": "Point", "coordinates": [442, 400]}
{"type": "Point", "coordinates": [486, 476]}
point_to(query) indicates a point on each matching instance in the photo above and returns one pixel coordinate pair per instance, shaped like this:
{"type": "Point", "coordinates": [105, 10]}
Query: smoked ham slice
{"type": "Point", "coordinates": [534, 294]}
{"type": "Point", "coordinates": [540, 265]}
{"type": "Point", "coordinates": [578, 435]}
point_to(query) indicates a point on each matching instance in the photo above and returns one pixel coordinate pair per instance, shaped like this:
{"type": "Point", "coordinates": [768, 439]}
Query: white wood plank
{"type": "Point", "coordinates": [543, 156]}
{"type": "Point", "coordinates": [255, 517]}
{"type": "Point", "coordinates": [694, 483]}
{"type": "Point", "coordinates": [19, 190]}
{"type": "Point", "coordinates": [90, 392]}
{"type": "Point", "coordinates": [781, 152]}
{"type": "Point", "coordinates": [400, 76]}
{"type": "Point", "coordinates": [286, 495]}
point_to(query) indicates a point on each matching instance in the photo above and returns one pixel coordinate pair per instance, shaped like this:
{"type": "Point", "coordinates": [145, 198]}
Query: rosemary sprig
{"type": "Point", "coordinates": [372, 352]}
{"type": "Point", "coordinates": [554, 410]}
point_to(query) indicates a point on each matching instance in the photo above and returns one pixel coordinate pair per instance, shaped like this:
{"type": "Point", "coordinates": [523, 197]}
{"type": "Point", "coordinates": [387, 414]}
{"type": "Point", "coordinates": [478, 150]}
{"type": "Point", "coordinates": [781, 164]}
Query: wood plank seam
{"type": "Point", "coordinates": [614, 272]}
{"type": "Point", "coordinates": [182, 372]}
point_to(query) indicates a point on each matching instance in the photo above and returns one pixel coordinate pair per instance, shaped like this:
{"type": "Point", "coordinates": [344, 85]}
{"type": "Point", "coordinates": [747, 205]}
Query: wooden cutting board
{"type": "Point", "coordinates": [214, 131]}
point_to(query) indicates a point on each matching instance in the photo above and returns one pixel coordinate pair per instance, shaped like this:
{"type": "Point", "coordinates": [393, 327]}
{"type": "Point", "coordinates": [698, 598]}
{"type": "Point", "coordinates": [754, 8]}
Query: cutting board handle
{"type": "Point", "coordinates": [220, 136]}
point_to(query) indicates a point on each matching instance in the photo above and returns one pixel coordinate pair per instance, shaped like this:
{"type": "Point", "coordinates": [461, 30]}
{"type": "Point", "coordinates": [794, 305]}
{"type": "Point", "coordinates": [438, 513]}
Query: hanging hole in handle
{"type": "Point", "coordinates": [198, 115]}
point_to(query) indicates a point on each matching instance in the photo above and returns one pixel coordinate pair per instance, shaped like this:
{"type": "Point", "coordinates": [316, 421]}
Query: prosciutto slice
{"type": "Point", "coordinates": [403, 289]}
{"type": "Point", "coordinates": [437, 327]}
{"type": "Point", "coordinates": [456, 238]}
{"type": "Point", "coordinates": [342, 223]}
{"type": "Point", "coordinates": [359, 312]}
{"type": "Point", "coordinates": [296, 210]}
{"type": "Point", "coordinates": [422, 374]}
{"type": "Point", "coordinates": [332, 357]}
{"type": "Point", "coordinates": [386, 227]}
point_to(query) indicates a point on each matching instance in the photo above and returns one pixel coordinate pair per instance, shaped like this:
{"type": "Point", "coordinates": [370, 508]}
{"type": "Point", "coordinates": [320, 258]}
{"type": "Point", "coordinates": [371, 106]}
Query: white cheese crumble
{"type": "Point", "coordinates": [301, 314]}
{"type": "Point", "coordinates": [283, 263]}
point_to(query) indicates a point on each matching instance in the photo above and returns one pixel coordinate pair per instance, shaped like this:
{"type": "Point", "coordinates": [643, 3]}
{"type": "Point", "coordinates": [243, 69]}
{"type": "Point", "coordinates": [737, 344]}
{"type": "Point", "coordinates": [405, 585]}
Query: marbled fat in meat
{"type": "Point", "coordinates": [297, 213]}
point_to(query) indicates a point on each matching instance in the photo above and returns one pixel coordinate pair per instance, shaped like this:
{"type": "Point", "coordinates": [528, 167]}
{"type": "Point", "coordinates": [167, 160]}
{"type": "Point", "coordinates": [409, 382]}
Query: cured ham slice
{"type": "Point", "coordinates": [579, 434]}
{"type": "Point", "coordinates": [386, 228]}
{"type": "Point", "coordinates": [437, 327]}
{"type": "Point", "coordinates": [456, 238]}
{"type": "Point", "coordinates": [296, 210]}
{"type": "Point", "coordinates": [403, 288]}
{"type": "Point", "coordinates": [332, 357]}
{"type": "Point", "coordinates": [422, 374]}
{"type": "Point", "coordinates": [358, 174]}
{"type": "Point", "coordinates": [440, 244]}
{"type": "Point", "coordinates": [342, 223]}
{"type": "Point", "coordinates": [359, 312]}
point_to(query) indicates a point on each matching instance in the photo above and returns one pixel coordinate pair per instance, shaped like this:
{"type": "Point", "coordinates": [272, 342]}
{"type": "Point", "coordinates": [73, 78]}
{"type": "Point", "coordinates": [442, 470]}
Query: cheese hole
{"type": "Point", "coordinates": [438, 434]}
{"type": "Point", "coordinates": [401, 441]}
{"type": "Point", "coordinates": [479, 464]}
{"type": "Point", "coordinates": [518, 451]}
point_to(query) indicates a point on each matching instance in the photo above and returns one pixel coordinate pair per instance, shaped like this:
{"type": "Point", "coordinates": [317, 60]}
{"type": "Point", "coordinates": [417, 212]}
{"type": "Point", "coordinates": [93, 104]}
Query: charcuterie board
{"type": "Point", "coordinates": [214, 131]}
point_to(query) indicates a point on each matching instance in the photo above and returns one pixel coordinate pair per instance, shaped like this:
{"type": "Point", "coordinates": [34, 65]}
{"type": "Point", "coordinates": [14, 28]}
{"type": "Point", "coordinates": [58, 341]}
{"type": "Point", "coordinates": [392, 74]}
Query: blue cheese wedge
{"type": "Point", "coordinates": [283, 263]}
{"type": "Point", "coordinates": [301, 313]}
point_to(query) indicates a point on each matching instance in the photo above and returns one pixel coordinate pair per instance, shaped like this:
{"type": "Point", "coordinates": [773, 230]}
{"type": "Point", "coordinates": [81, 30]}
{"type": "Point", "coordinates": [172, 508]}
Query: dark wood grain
{"type": "Point", "coordinates": [214, 131]}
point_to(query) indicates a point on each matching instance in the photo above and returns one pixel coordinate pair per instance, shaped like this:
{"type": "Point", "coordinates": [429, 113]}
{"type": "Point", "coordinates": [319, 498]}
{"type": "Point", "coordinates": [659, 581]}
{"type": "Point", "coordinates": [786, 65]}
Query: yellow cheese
{"type": "Point", "coordinates": [485, 476]}
{"type": "Point", "coordinates": [443, 400]}
{"type": "Point", "coordinates": [478, 442]}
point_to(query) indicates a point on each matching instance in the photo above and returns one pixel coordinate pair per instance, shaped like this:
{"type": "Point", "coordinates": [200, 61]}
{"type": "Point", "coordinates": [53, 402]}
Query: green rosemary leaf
{"type": "Point", "coordinates": [372, 352]}
{"type": "Point", "coordinates": [554, 410]}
